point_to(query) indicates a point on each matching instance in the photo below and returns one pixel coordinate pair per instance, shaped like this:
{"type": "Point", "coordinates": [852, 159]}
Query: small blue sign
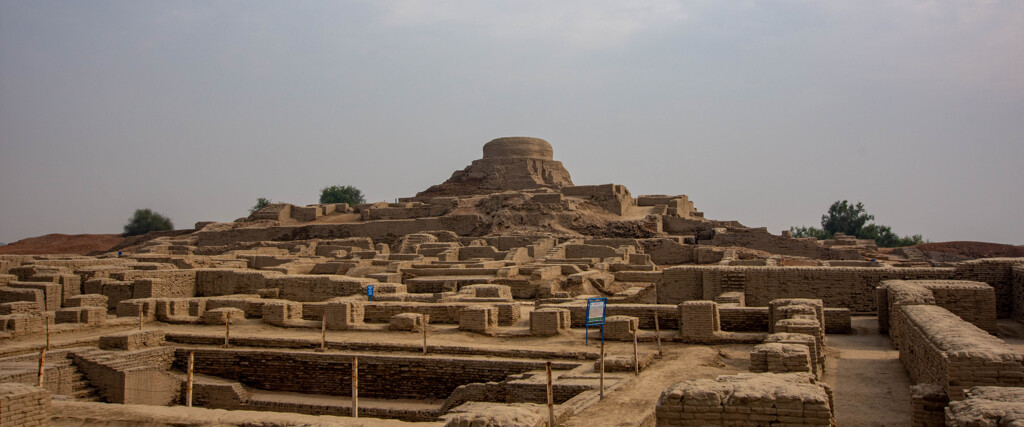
{"type": "Point", "coordinates": [596, 309]}
{"type": "Point", "coordinates": [369, 292]}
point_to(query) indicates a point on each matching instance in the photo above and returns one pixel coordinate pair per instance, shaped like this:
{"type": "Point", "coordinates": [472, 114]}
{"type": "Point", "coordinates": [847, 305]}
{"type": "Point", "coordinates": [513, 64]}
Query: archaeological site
{"type": "Point", "coordinates": [508, 295]}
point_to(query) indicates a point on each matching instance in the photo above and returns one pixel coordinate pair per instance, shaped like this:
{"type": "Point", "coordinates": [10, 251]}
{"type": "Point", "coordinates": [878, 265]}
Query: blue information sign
{"type": "Point", "coordinates": [596, 309]}
{"type": "Point", "coordinates": [369, 292]}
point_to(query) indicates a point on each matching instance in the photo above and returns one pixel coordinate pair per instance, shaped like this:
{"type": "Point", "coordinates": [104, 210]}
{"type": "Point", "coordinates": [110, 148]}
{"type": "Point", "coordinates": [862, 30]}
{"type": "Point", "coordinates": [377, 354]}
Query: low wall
{"type": "Point", "coordinates": [988, 406]}
{"type": "Point", "coordinates": [998, 273]}
{"type": "Point", "coordinates": [24, 405]}
{"type": "Point", "coordinates": [733, 319]}
{"type": "Point", "coordinates": [130, 377]}
{"type": "Point", "coordinates": [391, 377]}
{"type": "Point", "coordinates": [747, 399]}
{"type": "Point", "coordinates": [297, 287]}
{"type": "Point", "coordinates": [445, 313]}
{"type": "Point", "coordinates": [463, 225]}
{"type": "Point", "coordinates": [938, 347]}
{"type": "Point", "coordinates": [847, 287]}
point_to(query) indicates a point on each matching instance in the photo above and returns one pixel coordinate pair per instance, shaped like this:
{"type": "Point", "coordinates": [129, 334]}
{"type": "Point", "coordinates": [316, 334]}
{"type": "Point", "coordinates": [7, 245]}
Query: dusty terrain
{"type": "Point", "coordinates": [78, 244]}
{"type": "Point", "coordinates": [974, 249]}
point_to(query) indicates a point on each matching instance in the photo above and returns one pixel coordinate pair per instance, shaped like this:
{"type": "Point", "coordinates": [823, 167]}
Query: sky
{"type": "Point", "coordinates": [761, 112]}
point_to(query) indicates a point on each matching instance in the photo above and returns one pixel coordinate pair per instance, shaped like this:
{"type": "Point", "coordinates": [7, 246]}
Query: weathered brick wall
{"type": "Point", "coordinates": [24, 405]}
{"type": "Point", "coordinates": [167, 283]}
{"type": "Point", "coordinates": [393, 377]}
{"type": "Point", "coordinates": [849, 287]}
{"type": "Point", "coordinates": [988, 406]}
{"type": "Point", "coordinates": [938, 347]}
{"type": "Point", "coordinates": [445, 313]}
{"type": "Point", "coordinates": [747, 399]}
{"type": "Point", "coordinates": [138, 377]}
{"type": "Point", "coordinates": [998, 273]}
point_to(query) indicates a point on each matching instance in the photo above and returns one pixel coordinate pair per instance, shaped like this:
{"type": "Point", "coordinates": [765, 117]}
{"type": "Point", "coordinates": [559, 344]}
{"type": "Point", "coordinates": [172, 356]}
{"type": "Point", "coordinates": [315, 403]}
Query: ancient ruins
{"type": "Point", "coordinates": [466, 305]}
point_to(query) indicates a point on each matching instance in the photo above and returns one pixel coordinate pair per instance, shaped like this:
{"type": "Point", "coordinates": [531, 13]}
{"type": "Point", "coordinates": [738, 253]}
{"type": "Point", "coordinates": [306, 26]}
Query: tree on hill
{"type": "Point", "coordinates": [342, 194]}
{"type": "Point", "coordinates": [144, 221]}
{"type": "Point", "coordinates": [261, 203]}
{"type": "Point", "coordinates": [852, 220]}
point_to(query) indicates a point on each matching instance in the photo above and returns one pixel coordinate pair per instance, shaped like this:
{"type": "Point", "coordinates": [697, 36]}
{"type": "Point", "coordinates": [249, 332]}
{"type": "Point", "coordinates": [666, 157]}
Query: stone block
{"type": "Point", "coordinates": [549, 321]}
{"type": "Point", "coordinates": [478, 318]}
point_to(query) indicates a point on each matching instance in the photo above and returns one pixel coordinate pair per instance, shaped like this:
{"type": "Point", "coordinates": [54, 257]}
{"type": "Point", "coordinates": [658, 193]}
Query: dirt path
{"type": "Point", "coordinates": [634, 402]}
{"type": "Point", "coordinates": [870, 384]}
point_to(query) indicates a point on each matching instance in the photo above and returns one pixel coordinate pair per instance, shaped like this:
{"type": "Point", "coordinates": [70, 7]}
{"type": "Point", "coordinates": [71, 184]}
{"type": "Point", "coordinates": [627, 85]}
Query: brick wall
{"type": "Point", "coordinates": [998, 273]}
{"type": "Point", "coordinates": [24, 405]}
{"type": "Point", "coordinates": [938, 347]}
{"type": "Point", "coordinates": [392, 377]}
{"type": "Point", "coordinates": [849, 287]}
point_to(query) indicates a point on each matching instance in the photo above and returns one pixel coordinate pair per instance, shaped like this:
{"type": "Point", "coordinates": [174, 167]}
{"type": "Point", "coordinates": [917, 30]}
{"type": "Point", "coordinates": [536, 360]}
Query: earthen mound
{"type": "Point", "coordinates": [79, 244]}
{"type": "Point", "coordinates": [969, 249]}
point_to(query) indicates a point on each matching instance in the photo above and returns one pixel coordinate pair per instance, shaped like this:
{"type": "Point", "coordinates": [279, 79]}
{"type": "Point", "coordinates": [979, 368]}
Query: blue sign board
{"type": "Point", "coordinates": [596, 310]}
{"type": "Point", "coordinates": [369, 292]}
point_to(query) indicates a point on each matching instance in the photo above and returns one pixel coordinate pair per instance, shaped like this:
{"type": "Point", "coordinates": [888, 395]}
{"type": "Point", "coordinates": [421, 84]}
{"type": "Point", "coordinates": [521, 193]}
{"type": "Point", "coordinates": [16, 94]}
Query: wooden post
{"type": "Point", "coordinates": [551, 399]}
{"type": "Point", "coordinates": [42, 365]}
{"type": "Point", "coordinates": [141, 312]}
{"type": "Point", "coordinates": [323, 332]}
{"type": "Point", "coordinates": [188, 385]}
{"type": "Point", "coordinates": [602, 369]}
{"type": "Point", "coordinates": [355, 386]}
{"type": "Point", "coordinates": [227, 329]}
{"type": "Point", "coordinates": [657, 332]}
{"type": "Point", "coordinates": [636, 354]}
{"type": "Point", "coordinates": [425, 318]}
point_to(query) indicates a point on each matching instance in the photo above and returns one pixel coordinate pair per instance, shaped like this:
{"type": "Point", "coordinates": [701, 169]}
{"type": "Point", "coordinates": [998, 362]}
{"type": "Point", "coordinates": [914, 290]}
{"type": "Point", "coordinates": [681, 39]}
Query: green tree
{"type": "Point", "coordinates": [261, 203]}
{"type": "Point", "coordinates": [852, 220]}
{"type": "Point", "coordinates": [844, 217]}
{"type": "Point", "coordinates": [144, 220]}
{"type": "Point", "coordinates": [342, 194]}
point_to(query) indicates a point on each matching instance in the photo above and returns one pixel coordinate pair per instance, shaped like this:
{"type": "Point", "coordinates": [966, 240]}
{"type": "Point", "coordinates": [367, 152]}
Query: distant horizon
{"type": "Point", "coordinates": [763, 113]}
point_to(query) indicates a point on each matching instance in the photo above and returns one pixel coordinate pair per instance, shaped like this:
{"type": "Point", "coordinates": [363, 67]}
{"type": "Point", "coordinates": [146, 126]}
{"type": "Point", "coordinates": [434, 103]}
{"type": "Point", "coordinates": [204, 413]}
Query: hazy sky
{"type": "Point", "coordinates": [762, 112]}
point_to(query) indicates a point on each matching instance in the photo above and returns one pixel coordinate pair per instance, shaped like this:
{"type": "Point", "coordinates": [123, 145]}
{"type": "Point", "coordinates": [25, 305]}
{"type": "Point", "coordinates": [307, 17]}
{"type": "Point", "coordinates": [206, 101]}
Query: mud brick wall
{"type": "Point", "coordinates": [668, 315]}
{"type": "Point", "coordinates": [403, 377]}
{"type": "Point", "coordinates": [549, 321]}
{"type": "Point", "coordinates": [780, 357]}
{"type": "Point", "coordinates": [746, 399]}
{"type": "Point", "coordinates": [384, 230]}
{"type": "Point", "coordinates": [974, 302]}
{"type": "Point", "coordinates": [166, 283]}
{"type": "Point", "coordinates": [928, 401]}
{"type": "Point", "coordinates": [988, 406]}
{"type": "Point", "coordinates": [699, 319]}
{"type": "Point", "coordinates": [998, 273]}
{"type": "Point", "coordinates": [445, 313]}
{"type": "Point", "coordinates": [51, 292]}
{"type": "Point", "coordinates": [971, 301]}
{"type": "Point", "coordinates": [131, 377]}
{"type": "Point", "coordinates": [1018, 293]}
{"type": "Point", "coordinates": [938, 347]}
{"type": "Point", "coordinates": [219, 282]}
{"type": "Point", "coordinates": [24, 405]}
{"type": "Point", "coordinates": [743, 319]}
{"type": "Point", "coordinates": [846, 287]}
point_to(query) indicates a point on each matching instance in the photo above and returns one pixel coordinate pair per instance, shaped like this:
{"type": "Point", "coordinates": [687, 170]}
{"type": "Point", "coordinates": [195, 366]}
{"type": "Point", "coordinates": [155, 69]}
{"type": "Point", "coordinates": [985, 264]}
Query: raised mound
{"type": "Point", "coordinates": [974, 249]}
{"type": "Point", "coordinates": [79, 244]}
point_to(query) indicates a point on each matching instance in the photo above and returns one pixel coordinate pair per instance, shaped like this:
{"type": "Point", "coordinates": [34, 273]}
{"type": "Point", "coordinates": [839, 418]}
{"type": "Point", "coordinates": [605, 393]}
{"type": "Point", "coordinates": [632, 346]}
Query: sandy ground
{"type": "Point", "coordinates": [871, 386]}
{"type": "Point", "coordinates": [633, 403]}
